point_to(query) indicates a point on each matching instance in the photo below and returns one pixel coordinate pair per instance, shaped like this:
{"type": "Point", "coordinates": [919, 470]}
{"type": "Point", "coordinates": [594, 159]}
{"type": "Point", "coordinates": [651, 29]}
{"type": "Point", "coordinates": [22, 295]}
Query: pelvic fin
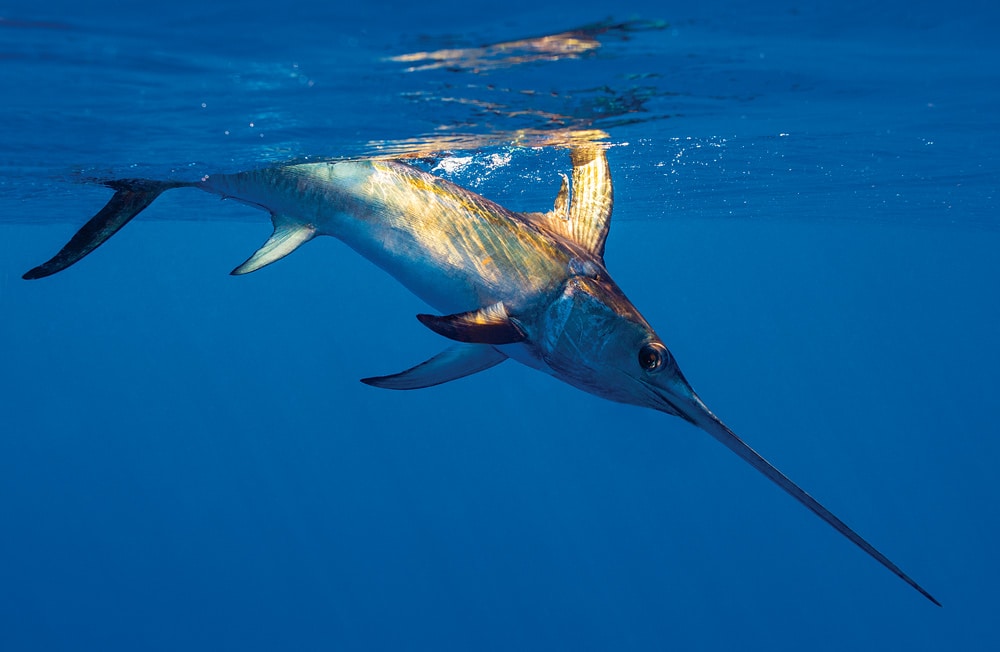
{"type": "Point", "coordinates": [457, 361]}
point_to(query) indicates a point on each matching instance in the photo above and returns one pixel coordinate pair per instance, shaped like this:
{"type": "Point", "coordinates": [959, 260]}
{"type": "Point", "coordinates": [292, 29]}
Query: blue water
{"type": "Point", "coordinates": [806, 210]}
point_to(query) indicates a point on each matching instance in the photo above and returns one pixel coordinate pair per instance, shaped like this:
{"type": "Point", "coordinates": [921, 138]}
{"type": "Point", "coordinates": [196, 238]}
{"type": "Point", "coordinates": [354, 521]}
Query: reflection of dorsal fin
{"type": "Point", "coordinates": [582, 210]}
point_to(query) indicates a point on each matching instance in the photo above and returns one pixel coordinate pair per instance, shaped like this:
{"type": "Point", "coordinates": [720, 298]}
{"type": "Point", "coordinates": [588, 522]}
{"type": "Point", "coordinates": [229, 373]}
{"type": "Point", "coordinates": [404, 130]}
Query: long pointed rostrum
{"type": "Point", "coordinates": [713, 426]}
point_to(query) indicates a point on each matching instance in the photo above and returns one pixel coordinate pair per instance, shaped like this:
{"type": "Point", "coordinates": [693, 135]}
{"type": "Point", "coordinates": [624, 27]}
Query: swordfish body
{"type": "Point", "coordinates": [527, 286]}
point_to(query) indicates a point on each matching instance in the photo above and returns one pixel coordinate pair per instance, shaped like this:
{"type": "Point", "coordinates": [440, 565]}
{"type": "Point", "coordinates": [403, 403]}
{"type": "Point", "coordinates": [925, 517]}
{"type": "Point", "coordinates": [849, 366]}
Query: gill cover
{"type": "Point", "coordinates": [590, 336]}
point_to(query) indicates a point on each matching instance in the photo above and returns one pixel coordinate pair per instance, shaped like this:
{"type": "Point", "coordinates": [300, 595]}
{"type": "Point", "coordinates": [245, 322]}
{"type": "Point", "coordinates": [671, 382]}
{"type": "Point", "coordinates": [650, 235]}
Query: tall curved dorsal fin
{"type": "Point", "coordinates": [592, 197]}
{"type": "Point", "coordinates": [582, 210]}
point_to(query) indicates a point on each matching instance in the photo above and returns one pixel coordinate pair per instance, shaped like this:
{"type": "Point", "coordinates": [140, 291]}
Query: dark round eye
{"type": "Point", "coordinates": [652, 356]}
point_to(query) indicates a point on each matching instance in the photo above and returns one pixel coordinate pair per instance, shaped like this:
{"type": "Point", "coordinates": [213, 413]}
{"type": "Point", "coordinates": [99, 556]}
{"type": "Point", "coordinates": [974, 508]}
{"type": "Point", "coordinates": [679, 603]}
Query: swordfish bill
{"type": "Point", "coordinates": [528, 286]}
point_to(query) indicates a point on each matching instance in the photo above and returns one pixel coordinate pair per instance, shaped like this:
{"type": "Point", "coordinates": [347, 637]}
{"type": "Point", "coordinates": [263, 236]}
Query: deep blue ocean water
{"type": "Point", "coordinates": [806, 210]}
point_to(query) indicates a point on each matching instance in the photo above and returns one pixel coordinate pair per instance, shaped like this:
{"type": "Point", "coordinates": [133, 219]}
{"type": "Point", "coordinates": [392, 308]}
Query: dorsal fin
{"type": "Point", "coordinates": [560, 209]}
{"type": "Point", "coordinates": [582, 210]}
{"type": "Point", "coordinates": [592, 199]}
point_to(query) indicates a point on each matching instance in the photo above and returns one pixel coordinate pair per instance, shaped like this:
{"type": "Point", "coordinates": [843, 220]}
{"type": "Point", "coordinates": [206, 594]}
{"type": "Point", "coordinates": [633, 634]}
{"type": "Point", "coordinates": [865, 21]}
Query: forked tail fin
{"type": "Point", "coordinates": [131, 197]}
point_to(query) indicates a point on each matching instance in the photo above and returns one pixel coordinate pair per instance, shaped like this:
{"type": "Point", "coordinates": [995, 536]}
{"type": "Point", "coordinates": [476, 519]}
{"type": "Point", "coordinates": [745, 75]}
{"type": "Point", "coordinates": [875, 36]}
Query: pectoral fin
{"type": "Point", "coordinates": [489, 325]}
{"type": "Point", "coordinates": [287, 237]}
{"type": "Point", "coordinates": [457, 361]}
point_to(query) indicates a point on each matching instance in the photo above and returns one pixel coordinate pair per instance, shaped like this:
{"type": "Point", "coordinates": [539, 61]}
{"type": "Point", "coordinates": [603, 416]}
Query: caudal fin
{"type": "Point", "coordinates": [131, 197]}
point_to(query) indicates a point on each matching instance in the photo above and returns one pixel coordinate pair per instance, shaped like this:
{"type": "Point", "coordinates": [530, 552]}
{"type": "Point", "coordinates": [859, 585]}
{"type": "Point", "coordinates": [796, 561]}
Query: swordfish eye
{"type": "Point", "coordinates": [653, 356]}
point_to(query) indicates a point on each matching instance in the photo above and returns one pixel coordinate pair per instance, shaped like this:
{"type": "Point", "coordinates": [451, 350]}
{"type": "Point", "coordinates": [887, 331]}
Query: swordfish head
{"type": "Point", "coordinates": [585, 332]}
{"type": "Point", "coordinates": [592, 337]}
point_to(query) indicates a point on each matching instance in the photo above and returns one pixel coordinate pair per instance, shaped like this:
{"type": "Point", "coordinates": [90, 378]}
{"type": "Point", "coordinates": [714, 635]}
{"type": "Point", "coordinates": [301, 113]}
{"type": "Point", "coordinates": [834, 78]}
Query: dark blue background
{"type": "Point", "coordinates": [806, 211]}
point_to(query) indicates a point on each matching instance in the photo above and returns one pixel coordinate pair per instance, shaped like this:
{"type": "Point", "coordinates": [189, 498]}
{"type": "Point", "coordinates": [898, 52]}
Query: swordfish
{"type": "Point", "coordinates": [528, 286]}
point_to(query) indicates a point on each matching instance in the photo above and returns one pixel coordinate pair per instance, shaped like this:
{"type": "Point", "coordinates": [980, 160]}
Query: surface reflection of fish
{"type": "Point", "coordinates": [527, 286]}
{"type": "Point", "coordinates": [570, 44]}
